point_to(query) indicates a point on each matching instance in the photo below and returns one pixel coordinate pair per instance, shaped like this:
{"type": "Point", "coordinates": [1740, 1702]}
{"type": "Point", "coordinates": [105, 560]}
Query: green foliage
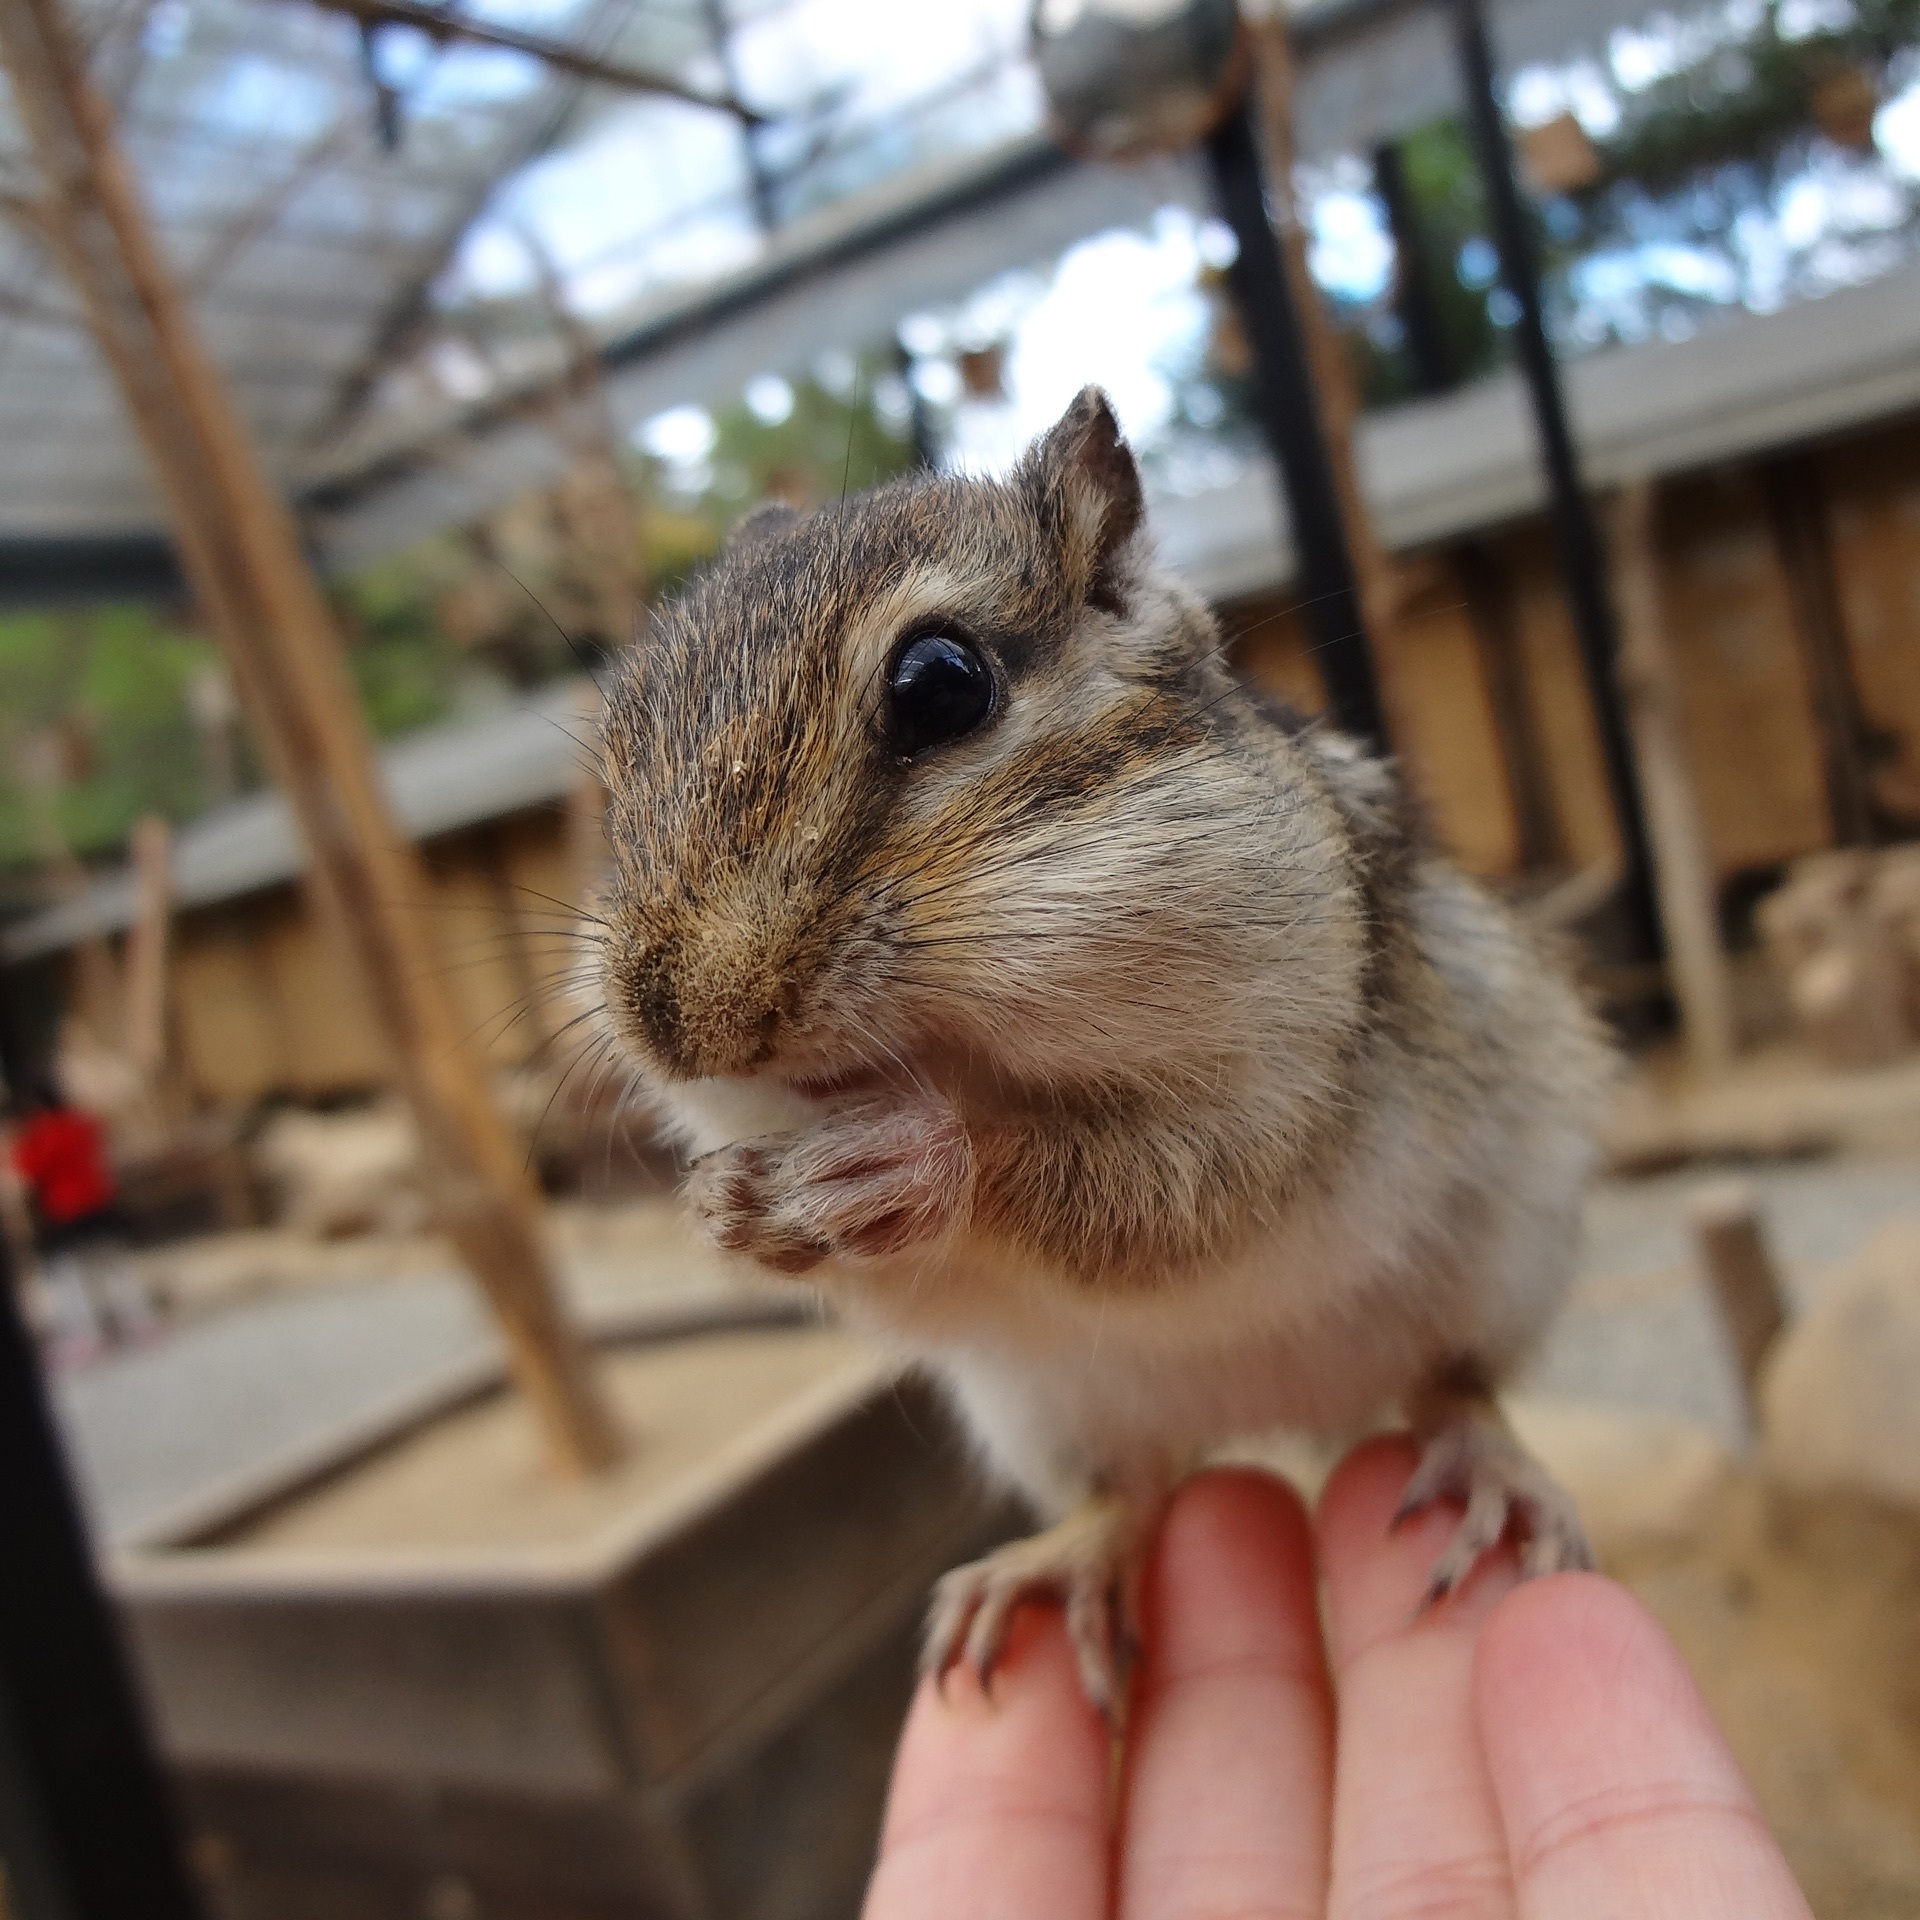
{"type": "Point", "coordinates": [1740, 100]}
{"type": "Point", "coordinates": [1690, 152]}
{"type": "Point", "coordinates": [96, 727]}
{"type": "Point", "coordinates": [402, 662]}
{"type": "Point", "coordinates": [113, 683]}
{"type": "Point", "coordinates": [828, 445]}
{"type": "Point", "coordinates": [1443, 178]}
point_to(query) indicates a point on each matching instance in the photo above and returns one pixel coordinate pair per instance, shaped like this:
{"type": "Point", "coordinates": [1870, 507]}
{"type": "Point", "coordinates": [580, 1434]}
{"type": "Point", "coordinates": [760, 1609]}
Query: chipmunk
{"type": "Point", "coordinates": [1081, 1021]}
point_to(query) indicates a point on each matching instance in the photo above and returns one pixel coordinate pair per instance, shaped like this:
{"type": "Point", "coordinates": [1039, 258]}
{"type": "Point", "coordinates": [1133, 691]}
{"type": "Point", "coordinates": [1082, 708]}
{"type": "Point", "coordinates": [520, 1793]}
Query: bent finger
{"type": "Point", "coordinates": [1231, 1748]}
{"type": "Point", "coordinates": [1415, 1826]}
{"type": "Point", "coordinates": [1618, 1792]}
{"type": "Point", "coordinates": [998, 1805]}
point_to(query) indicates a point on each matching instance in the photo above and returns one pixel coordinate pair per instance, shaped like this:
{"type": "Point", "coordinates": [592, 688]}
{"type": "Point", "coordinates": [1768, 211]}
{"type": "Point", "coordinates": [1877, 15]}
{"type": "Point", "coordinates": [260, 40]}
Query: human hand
{"type": "Point", "coordinates": [1532, 1751]}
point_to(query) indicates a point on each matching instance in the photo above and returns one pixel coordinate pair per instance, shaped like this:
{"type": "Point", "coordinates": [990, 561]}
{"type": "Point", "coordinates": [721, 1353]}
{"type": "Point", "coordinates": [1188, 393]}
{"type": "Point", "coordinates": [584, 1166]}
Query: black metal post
{"type": "Point", "coordinates": [760, 181]}
{"type": "Point", "coordinates": [1290, 417]}
{"type": "Point", "coordinates": [88, 1829]}
{"type": "Point", "coordinates": [926, 442]}
{"type": "Point", "coordinates": [1582, 559]}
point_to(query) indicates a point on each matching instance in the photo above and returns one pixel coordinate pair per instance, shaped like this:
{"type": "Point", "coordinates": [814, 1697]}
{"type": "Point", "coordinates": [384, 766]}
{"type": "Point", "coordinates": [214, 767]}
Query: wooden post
{"type": "Point", "coordinates": [587, 849]}
{"type": "Point", "coordinates": [242, 552]}
{"type": "Point", "coordinates": [1746, 1286]}
{"type": "Point", "coordinates": [44, 763]}
{"type": "Point", "coordinates": [144, 997]}
{"type": "Point", "coordinates": [1682, 869]}
{"type": "Point", "coordinates": [1374, 568]}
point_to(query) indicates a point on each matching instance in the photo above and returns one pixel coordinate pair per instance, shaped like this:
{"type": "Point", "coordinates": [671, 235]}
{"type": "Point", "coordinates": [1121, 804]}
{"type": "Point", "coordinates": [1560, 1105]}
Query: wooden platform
{"type": "Point", "coordinates": [429, 1678]}
{"type": "Point", "coordinates": [1772, 1104]}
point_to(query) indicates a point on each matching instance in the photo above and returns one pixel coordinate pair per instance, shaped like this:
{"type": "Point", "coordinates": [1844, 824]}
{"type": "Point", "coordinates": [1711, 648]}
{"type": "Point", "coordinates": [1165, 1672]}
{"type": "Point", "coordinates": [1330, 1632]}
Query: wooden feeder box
{"type": "Point", "coordinates": [421, 1676]}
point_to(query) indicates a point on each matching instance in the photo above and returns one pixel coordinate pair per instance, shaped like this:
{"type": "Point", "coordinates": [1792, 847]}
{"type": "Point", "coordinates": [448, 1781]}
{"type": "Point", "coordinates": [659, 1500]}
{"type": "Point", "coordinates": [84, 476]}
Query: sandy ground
{"type": "Point", "coordinates": [1800, 1623]}
{"type": "Point", "coordinates": [1639, 1330]}
{"type": "Point", "coordinates": [286, 1339]}
{"type": "Point", "coordinates": [478, 1478]}
{"type": "Point", "coordinates": [628, 1246]}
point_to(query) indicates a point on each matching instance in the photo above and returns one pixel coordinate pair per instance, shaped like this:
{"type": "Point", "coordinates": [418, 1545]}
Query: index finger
{"type": "Point", "coordinates": [1616, 1789]}
{"type": "Point", "coordinates": [998, 1809]}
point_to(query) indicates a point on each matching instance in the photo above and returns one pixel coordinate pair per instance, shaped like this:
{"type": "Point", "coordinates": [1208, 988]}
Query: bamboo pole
{"type": "Point", "coordinates": [1682, 866]}
{"type": "Point", "coordinates": [242, 553]}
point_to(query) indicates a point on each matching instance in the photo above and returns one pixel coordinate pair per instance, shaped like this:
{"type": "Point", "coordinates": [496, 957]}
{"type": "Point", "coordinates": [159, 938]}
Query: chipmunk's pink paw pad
{"type": "Point", "coordinates": [868, 1180]}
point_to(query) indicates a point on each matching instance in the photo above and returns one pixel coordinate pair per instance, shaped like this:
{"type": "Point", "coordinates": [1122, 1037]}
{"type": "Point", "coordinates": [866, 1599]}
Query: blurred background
{"type": "Point", "coordinates": [514, 307]}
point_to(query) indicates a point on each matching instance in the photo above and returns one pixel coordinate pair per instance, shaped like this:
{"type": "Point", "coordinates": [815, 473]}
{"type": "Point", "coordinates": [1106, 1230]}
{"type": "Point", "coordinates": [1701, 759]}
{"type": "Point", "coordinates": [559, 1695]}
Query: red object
{"type": "Point", "coordinates": [59, 1154]}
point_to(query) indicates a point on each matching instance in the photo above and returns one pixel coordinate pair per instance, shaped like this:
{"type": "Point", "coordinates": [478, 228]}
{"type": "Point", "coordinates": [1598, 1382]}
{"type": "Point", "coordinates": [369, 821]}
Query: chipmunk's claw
{"type": "Point", "coordinates": [1089, 1562]}
{"type": "Point", "coordinates": [1479, 1462]}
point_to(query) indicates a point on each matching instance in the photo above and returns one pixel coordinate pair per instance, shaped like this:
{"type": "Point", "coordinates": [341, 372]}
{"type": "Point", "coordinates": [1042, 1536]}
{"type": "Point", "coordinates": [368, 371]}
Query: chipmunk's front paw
{"type": "Point", "coordinates": [868, 1180]}
{"type": "Point", "coordinates": [1090, 1561]}
{"type": "Point", "coordinates": [1478, 1461]}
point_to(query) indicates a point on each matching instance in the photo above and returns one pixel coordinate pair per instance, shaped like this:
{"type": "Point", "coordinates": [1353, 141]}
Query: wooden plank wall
{"type": "Point", "coordinates": [260, 1004]}
{"type": "Point", "coordinates": [1873, 490]}
{"type": "Point", "coordinates": [1746, 697]}
{"type": "Point", "coordinates": [260, 1007]}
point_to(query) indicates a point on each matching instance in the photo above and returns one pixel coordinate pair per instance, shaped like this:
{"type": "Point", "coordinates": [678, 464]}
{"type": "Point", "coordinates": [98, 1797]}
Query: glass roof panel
{"type": "Point", "coordinates": [376, 227]}
{"type": "Point", "coordinates": [341, 265]}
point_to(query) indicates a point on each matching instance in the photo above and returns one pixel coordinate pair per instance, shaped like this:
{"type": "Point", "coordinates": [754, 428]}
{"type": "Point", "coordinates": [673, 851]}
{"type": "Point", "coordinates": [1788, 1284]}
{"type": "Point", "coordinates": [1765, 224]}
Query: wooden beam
{"type": "Point", "coordinates": [440, 26]}
{"type": "Point", "coordinates": [1797, 516]}
{"type": "Point", "coordinates": [1747, 1291]}
{"type": "Point", "coordinates": [1375, 571]}
{"type": "Point", "coordinates": [1677, 841]}
{"type": "Point", "coordinates": [1538, 839]}
{"type": "Point", "coordinates": [243, 554]}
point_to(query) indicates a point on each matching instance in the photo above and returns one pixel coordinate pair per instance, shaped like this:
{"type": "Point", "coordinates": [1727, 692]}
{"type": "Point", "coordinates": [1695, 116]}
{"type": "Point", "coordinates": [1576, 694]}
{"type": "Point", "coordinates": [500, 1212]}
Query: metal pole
{"type": "Point", "coordinates": [760, 181]}
{"type": "Point", "coordinates": [926, 442]}
{"type": "Point", "coordinates": [1581, 558]}
{"type": "Point", "coordinates": [1290, 418]}
{"type": "Point", "coordinates": [85, 1818]}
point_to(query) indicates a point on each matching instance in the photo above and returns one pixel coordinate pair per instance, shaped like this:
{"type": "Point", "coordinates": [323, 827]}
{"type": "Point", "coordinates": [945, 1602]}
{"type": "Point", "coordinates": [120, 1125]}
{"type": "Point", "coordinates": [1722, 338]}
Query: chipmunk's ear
{"type": "Point", "coordinates": [1083, 471]}
{"type": "Point", "coordinates": [765, 520]}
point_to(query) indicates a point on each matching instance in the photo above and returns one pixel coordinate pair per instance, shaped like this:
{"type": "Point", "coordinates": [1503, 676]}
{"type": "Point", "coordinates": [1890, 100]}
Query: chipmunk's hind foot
{"type": "Point", "coordinates": [1475, 1458]}
{"type": "Point", "coordinates": [1090, 1562]}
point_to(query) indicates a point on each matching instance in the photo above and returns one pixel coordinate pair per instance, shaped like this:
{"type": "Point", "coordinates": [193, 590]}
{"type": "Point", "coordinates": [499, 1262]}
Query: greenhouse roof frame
{"type": "Point", "coordinates": [311, 254]}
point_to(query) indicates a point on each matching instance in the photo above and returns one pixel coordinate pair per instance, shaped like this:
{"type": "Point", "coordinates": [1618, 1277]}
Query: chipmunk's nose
{"type": "Point", "coordinates": [708, 1002]}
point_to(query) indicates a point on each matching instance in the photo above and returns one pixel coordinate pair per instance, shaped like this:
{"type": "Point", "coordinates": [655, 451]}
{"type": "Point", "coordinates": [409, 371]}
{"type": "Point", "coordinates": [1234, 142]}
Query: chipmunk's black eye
{"type": "Point", "coordinates": [939, 689]}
